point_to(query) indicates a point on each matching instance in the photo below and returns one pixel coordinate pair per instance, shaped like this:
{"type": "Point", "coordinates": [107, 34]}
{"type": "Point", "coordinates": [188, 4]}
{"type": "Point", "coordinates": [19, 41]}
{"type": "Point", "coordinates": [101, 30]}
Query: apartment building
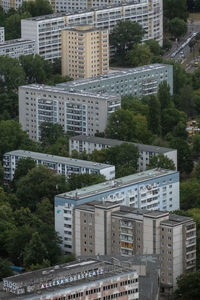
{"type": "Point", "coordinates": [2, 34]}
{"type": "Point", "coordinates": [139, 82]}
{"type": "Point", "coordinates": [78, 111]}
{"type": "Point", "coordinates": [77, 5]}
{"type": "Point", "coordinates": [16, 48]}
{"type": "Point", "coordinates": [88, 144]}
{"type": "Point", "coordinates": [58, 164]}
{"type": "Point", "coordinates": [152, 190]}
{"type": "Point", "coordinates": [89, 278]}
{"type": "Point", "coordinates": [108, 228]}
{"type": "Point", "coordinates": [46, 30]}
{"type": "Point", "coordinates": [85, 52]}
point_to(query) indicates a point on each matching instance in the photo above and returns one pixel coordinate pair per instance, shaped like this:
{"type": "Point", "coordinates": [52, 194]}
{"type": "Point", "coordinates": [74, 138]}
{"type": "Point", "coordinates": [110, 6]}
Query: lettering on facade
{"type": "Point", "coordinates": [71, 278]}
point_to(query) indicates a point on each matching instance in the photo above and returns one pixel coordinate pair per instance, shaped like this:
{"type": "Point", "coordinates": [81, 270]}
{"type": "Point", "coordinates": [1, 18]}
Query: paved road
{"type": "Point", "coordinates": [180, 49]}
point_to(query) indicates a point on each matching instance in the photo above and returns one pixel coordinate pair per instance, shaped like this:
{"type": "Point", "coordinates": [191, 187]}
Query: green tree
{"type": "Point", "coordinates": [77, 181]}
{"type": "Point", "coordinates": [167, 44]}
{"type": "Point", "coordinates": [188, 286]}
{"type": "Point", "coordinates": [12, 137]}
{"type": "Point", "coordinates": [124, 35]}
{"type": "Point", "coordinates": [11, 74]}
{"type": "Point", "coordinates": [185, 100]}
{"type": "Point", "coordinates": [37, 8]}
{"type": "Point", "coordinates": [1, 174]}
{"type": "Point", "coordinates": [177, 27]}
{"type": "Point", "coordinates": [8, 105]}
{"type": "Point", "coordinates": [37, 69]}
{"type": "Point", "coordinates": [175, 8]}
{"type": "Point", "coordinates": [197, 171]}
{"type": "Point", "coordinates": [13, 25]}
{"type": "Point", "coordinates": [5, 269]}
{"type": "Point", "coordinates": [140, 55]}
{"type": "Point", "coordinates": [24, 165]}
{"type": "Point", "coordinates": [196, 145]}
{"type": "Point", "coordinates": [39, 183]}
{"type": "Point", "coordinates": [154, 47]}
{"type": "Point", "coordinates": [134, 104]}
{"type": "Point", "coordinates": [190, 194]}
{"type": "Point", "coordinates": [124, 154]}
{"type": "Point", "coordinates": [35, 251]}
{"type": "Point", "coordinates": [154, 119]}
{"type": "Point", "coordinates": [50, 133]}
{"type": "Point", "coordinates": [59, 147]}
{"type": "Point", "coordinates": [170, 117]}
{"type": "Point", "coordinates": [161, 161]}
{"type": "Point", "coordinates": [185, 161]}
{"type": "Point", "coordinates": [164, 95]}
{"type": "Point", "coordinates": [121, 125]}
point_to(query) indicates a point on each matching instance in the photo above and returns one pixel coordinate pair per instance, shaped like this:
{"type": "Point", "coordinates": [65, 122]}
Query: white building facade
{"type": "Point", "coordinates": [78, 111]}
{"type": "Point", "coordinates": [2, 34]}
{"type": "Point", "coordinates": [77, 5]}
{"type": "Point", "coordinates": [151, 190]}
{"type": "Point", "coordinates": [88, 144]}
{"type": "Point", "coordinates": [58, 164]}
{"type": "Point", "coordinates": [16, 48]}
{"type": "Point", "coordinates": [46, 30]}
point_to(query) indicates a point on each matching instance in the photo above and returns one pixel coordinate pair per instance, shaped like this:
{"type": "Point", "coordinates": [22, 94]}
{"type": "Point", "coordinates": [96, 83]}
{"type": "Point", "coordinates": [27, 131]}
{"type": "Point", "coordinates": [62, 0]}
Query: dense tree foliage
{"type": "Point", "coordinates": [188, 286]}
{"type": "Point", "coordinates": [124, 35]}
{"type": "Point", "coordinates": [161, 161]}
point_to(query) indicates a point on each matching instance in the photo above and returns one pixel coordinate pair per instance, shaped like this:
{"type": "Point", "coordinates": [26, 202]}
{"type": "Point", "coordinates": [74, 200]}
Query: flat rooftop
{"type": "Point", "coordinates": [112, 143]}
{"type": "Point", "coordinates": [115, 184]}
{"type": "Point", "coordinates": [15, 42]}
{"type": "Point", "coordinates": [175, 220]}
{"type": "Point", "coordinates": [82, 28]}
{"type": "Point", "coordinates": [63, 14]}
{"type": "Point", "coordinates": [123, 211]}
{"type": "Point", "coordinates": [118, 74]}
{"type": "Point", "coordinates": [53, 89]}
{"type": "Point", "coordinates": [59, 159]}
{"type": "Point", "coordinates": [66, 274]}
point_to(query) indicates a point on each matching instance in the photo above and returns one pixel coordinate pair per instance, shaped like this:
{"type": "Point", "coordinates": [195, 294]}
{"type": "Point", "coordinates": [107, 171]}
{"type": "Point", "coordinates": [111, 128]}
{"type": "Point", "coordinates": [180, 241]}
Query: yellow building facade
{"type": "Point", "coordinates": [85, 52]}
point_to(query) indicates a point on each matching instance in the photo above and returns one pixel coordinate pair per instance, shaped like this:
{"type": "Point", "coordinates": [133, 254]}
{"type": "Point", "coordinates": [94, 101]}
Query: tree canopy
{"type": "Point", "coordinates": [124, 35]}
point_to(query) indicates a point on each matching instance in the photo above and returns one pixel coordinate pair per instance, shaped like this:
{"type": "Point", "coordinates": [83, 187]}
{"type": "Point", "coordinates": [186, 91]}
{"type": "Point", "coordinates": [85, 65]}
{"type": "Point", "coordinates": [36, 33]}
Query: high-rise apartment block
{"type": "Point", "coordinates": [58, 164]}
{"type": "Point", "coordinates": [2, 34]}
{"type": "Point", "coordinates": [16, 48]}
{"type": "Point", "coordinates": [85, 52]}
{"type": "Point", "coordinates": [151, 190]}
{"type": "Point", "coordinates": [78, 111]}
{"type": "Point", "coordinates": [46, 30]}
{"type": "Point", "coordinates": [83, 143]}
{"type": "Point", "coordinates": [139, 82]}
{"type": "Point", "coordinates": [108, 228]}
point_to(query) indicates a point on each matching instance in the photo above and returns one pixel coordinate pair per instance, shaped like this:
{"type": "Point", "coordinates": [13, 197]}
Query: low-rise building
{"type": "Point", "coordinates": [151, 190]}
{"type": "Point", "coordinates": [78, 111]}
{"type": "Point", "coordinates": [139, 82]}
{"type": "Point", "coordinates": [83, 143]}
{"type": "Point", "coordinates": [85, 51]}
{"type": "Point", "coordinates": [108, 228]}
{"type": "Point", "coordinates": [2, 34]}
{"type": "Point", "coordinates": [90, 278]}
{"type": "Point", "coordinates": [16, 48]}
{"type": "Point", "coordinates": [58, 164]}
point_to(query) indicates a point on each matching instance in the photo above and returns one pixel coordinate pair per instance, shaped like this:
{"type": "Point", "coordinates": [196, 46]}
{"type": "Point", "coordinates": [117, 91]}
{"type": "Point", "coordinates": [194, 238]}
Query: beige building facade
{"type": "Point", "coordinates": [111, 229]}
{"type": "Point", "coordinates": [85, 52]}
